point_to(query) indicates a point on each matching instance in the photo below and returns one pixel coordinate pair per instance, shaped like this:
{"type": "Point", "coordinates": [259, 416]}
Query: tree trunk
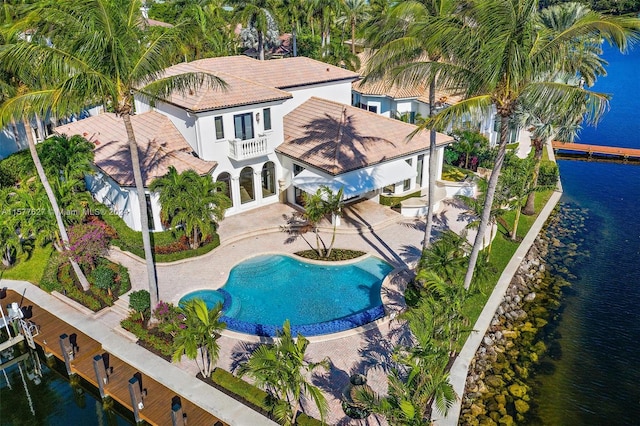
{"type": "Point", "coordinates": [488, 202]}
{"type": "Point", "coordinates": [54, 204]}
{"type": "Point", "coordinates": [353, 37]}
{"type": "Point", "coordinates": [142, 204]}
{"type": "Point", "coordinates": [260, 45]}
{"type": "Point", "coordinates": [333, 237]}
{"type": "Point", "coordinates": [514, 231]}
{"type": "Point", "coordinates": [195, 238]}
{"type": "Point", "coordinates": [432, 170]}
{"type": "Point", "coordinates": [294, 36]}
{"type": "Point", "coordinates": [530, 206]}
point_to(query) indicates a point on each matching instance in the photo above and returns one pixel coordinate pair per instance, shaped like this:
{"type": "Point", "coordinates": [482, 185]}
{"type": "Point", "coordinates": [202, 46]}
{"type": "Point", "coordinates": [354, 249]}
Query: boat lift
{"type": "Point", "coordinates": [23, 328]}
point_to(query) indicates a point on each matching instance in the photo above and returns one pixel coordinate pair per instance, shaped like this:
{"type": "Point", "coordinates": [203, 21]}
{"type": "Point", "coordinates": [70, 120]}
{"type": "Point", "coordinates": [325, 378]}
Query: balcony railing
{"type": "Point", "coordinates": [249, 148]}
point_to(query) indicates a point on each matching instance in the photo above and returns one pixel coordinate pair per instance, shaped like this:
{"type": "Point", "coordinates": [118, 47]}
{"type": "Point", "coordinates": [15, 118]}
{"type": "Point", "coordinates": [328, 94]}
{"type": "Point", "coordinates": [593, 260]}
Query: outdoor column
{"type": "Point", "coordinates": [178, 418]}
{"type": "Point", "coordinates": [136, 398]}
{"type": "Point", "coordinates": [67, 351]}
{"type": "Point", "coordinates": [101, 374]}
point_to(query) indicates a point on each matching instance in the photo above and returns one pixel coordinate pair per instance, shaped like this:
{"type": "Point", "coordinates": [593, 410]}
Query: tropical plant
{"type": "Point", "coordinates": [98, 51]}
{"type": "Point", "coordinates": [280, 368]}
{"type": "Point", "coordinates": [258, 15]}
{"type": "Point", "coordinates": [412, 389]}
{"type": "Point", "coordinates": [468, 144]}
{"type": "Point", "coordinates": [88, 242]}
{"type": "Point", "coordinates": [67, 157]}
{"type": "Point", "coordinates": [191, 201]}
{"type": "Point", "coordinates": [353, 12]}
{"type": "Point", "coordinates": [445, 257]}
{"type": "Point", "coordinates": [140, 302]}
{"type": "Point", "coordinates": [401, 37]}
{"type": "Point", "coordinates": [197, 337]}
{"type": "Point", "coordinates": [500, 56]}
{"type": "Point", "coordinates": [317, 206]}
{"type": "Point", "coordinates": [517, 182]}
{"type": "Point", "coordinates": [103, 278]}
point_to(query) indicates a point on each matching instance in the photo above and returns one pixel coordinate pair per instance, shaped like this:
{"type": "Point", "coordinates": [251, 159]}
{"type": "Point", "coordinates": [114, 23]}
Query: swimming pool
{"type": "Point", "coordinates": [264, 291]}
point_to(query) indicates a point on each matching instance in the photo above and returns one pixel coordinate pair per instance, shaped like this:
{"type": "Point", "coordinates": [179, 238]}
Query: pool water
{"type": "Point", "coordinates": [270, 289]}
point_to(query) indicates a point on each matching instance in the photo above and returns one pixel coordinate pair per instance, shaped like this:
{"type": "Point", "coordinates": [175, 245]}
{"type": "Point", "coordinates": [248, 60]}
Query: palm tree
{"type": "Point", "coordinates": [499, 56]}
{"type": "Point", "coordinates": [67, 156]}
{"type": "Point", "coordinates": [292, 12]}
{"type": "Point", "coordinates": [96, 51]}
{"type": "Point", "coordinates": [258, 14]}
{"type": "Point", "coordinates": [282, 370]}
{"type": "Point", "coordinates": [561, 121]}
{"type": "Point", "coordinates": [354, 11]}
{"type": "Point", "coordinates": [317, 206]}
{"type": "Point", "coordinates": [445, 257]}
{"type": "Point", "coordinates": [192, 201]}
{"type": "Point", "coordinates": [403, 41]}
{"type": "Point", "coordinates": [197, 337]}
{"type": "Point", "coordinates": [204, 29]}
{"type": "Point", "coordinates": [412, 389]}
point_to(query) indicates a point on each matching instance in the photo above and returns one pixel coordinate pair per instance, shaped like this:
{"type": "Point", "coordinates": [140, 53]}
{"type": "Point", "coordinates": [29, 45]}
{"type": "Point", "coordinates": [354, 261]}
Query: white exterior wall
{"type": "Point", "coordinates": [405, 106]}
{"type": "Point", "coordinates": [334, 91]}
{"type": "Point", "coordinates": [212, 149]}
{"type": "Point", "coordinates": [122, 201]}
{"type": "Point", "coordinates": [11, 142]}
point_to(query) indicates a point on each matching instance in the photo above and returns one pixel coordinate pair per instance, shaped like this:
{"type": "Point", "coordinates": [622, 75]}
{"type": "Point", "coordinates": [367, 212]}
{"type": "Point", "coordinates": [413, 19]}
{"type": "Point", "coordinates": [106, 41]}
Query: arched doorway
{"type": "Point", "coordinates": [268, 179]}
{"type": "Point", "coordinates": [247, 193]}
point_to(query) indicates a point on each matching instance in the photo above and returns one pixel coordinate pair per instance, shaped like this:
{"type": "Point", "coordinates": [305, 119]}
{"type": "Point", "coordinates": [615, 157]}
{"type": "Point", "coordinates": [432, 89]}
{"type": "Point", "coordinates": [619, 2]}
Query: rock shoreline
{"type": "Point", "coordinates": [497, 390]}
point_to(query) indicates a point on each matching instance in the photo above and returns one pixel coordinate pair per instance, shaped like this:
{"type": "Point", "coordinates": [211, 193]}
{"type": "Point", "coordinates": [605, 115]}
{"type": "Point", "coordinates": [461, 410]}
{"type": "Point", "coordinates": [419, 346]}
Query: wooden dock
{"type": "Point", "coordinates": [159, 399]}
{"type": "Point", "coordinates": [579, 149]}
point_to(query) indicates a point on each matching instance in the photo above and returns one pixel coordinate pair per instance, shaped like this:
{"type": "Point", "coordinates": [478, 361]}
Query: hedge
{"type": "Point", "coordinates": [252, 395]}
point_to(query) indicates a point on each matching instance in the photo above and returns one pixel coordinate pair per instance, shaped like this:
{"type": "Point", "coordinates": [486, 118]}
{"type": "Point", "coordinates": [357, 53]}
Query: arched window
{"type": "Point", "coordinates": [246, 185]}
{"type": "Point", "coordinates": [268, 179]}
{"type": "Point", "coordinates": [226, 178]}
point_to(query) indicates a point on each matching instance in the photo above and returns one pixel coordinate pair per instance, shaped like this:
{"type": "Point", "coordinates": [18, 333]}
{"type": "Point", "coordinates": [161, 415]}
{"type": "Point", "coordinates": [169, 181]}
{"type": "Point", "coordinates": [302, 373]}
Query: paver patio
{"type": "Point", "coordinates": [367, 226]}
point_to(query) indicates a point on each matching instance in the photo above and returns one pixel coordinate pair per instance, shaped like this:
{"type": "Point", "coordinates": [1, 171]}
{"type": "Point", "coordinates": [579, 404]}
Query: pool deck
{"type": "Point", "coordinates": [366, 226]}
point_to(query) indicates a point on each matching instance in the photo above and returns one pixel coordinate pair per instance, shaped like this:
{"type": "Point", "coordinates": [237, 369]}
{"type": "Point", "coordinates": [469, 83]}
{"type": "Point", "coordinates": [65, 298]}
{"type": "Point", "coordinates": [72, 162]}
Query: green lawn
{"type": "Point", "coordinates": [252, 394]}
{"type": "Point", "coordinates": [29, 267]}
{"type": "Point", "coordinates": [501, 253]}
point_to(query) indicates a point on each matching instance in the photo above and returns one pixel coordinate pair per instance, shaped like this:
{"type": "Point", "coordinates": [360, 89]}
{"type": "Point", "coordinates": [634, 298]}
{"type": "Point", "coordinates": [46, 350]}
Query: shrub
{"type": "Point", "coordinates": [140, 301]}
{"type": "Point", "coordinates": [336, 255]}
{"type": "Point", "coordinates": [124, 280]}
{"type": "Point", "coordinates": [88, 242]}
{"type": "Point", "coordinates": [159, 342]}
{"type": "Point", "coordinates": [18, 165]}
{"type": "Point", "coordinates": [548, 176]}
{"type": "Point", "coordinates": [103, 277]}
{"type": "Point", "coordinates": [168, 316]}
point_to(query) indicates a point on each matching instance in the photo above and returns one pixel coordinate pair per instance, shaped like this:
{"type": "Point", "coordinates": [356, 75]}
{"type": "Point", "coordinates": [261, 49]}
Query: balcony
{"type": "Point", "coordinates": [249, 148]}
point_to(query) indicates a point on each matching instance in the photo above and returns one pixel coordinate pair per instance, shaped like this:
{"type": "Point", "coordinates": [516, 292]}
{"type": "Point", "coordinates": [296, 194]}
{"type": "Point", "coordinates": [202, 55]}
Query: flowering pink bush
{"type": "Point", "coordinates": [88, 242]}
{"type": "Point", "coordinates": [169, 317]}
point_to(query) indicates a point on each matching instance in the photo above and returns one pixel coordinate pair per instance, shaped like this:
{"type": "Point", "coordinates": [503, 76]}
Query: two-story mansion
{"type": "Point", "coordinates": [280, 128]}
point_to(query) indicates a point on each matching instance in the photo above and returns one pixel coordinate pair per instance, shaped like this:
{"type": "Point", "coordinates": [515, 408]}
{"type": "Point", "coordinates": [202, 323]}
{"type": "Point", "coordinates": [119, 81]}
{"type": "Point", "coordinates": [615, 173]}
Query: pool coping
{"type": "Point", "coordinates": [392, 285]}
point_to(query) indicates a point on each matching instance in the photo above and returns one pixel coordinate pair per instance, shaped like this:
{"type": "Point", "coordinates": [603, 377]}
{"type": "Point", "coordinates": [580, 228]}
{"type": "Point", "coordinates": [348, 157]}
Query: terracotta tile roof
{"type": "Point", "coordinates": [385, 87]}
{"type": "Point", "coordinates": [253, 81]}
{"type": "Point", "coordinates": [238, 91]}
{"type": "Point", "coordinates": [160, 145]}
{"type": "Point", "coordinates": [338, 138]}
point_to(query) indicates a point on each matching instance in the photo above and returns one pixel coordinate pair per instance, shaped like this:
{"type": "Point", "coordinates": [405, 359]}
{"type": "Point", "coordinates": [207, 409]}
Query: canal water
{"type": "Point", "coordinates": [592, 376]}
{"type": "Point", "coordinates": [34, 393]}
